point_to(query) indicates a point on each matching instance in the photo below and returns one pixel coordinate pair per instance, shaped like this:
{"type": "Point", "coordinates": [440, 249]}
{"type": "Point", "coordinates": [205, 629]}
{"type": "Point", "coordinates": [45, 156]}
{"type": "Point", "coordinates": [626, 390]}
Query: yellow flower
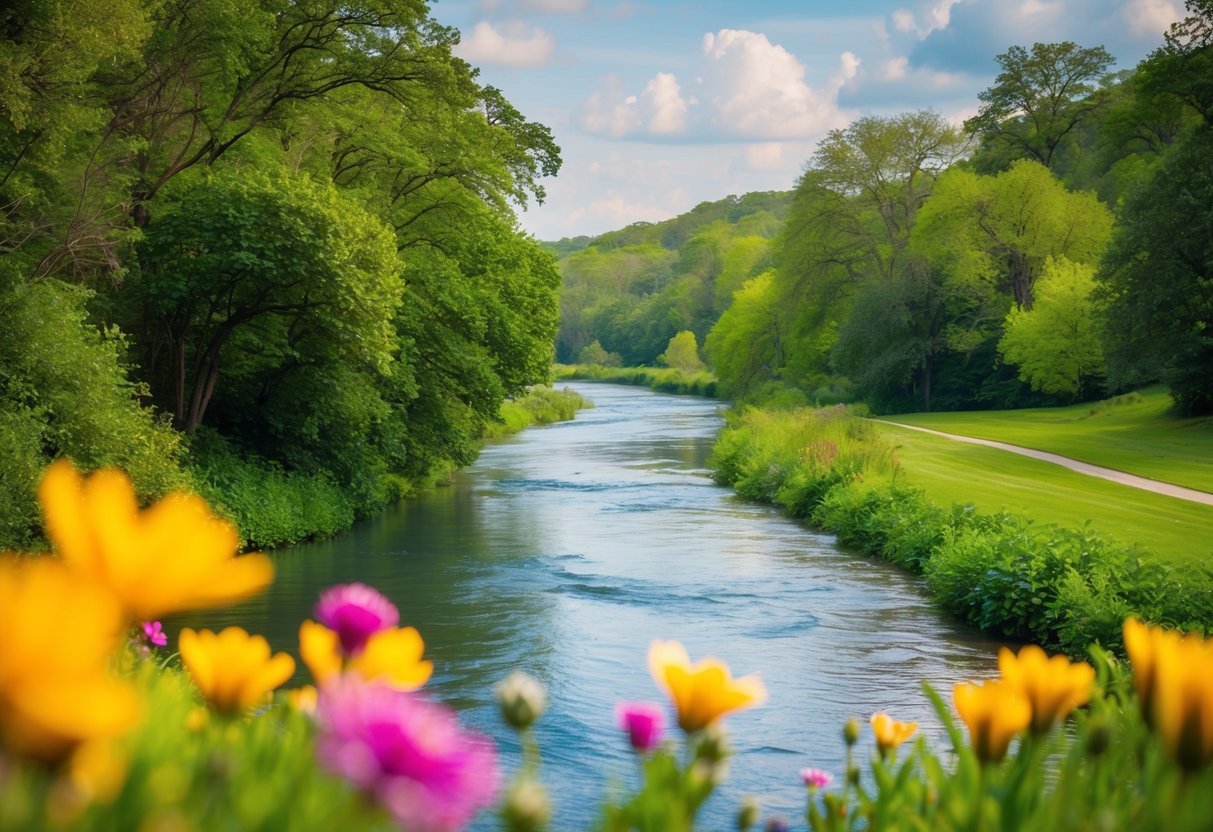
{"type": "Point", "coordinates": [703, 692]}
{"type": "Point", "coordinates": [233, 669]}
{"type": "Point", "coordinates": [57, 636]}
{"type": "Point", "coordinates": [889, 732]}
{"type": "Point", "coordinates": [173, 556]}
{"type": "Point", "coordinates": [1183, 698]}
{"type": "Point", "coordinates": [392, 656]}
{"type": "Point", "coordinates": [1144, 645]}
{"type": "Point", "coordinates": [994, 712]}
{"type": "Point", "coordinates": [1053, 686]}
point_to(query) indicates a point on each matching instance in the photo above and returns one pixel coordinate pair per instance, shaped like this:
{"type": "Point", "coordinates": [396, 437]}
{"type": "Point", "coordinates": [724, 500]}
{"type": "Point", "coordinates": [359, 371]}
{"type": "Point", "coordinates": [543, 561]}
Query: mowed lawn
{"type": "Point", "coordinates": [1177, 531]}
{"type": "Point", "coordinates": [1135, 434]}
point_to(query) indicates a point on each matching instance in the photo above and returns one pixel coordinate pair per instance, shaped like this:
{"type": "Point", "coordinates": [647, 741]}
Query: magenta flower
{"type": "Point", "coordinates": [643, 721]}
{"type": "Point", "coordinates": [355, 612]}
{"type": "Point", "coordinates": [815, 778]}
{"type": "Point", "coordinates": [410, 754]}
{"type": "Point", "coordinates": [154, 634]}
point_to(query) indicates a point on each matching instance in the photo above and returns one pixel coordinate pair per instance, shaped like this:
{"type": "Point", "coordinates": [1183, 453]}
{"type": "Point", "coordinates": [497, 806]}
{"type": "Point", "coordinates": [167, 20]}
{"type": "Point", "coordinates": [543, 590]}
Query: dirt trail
{"type": "Point", "coordinates": [1132, 480]}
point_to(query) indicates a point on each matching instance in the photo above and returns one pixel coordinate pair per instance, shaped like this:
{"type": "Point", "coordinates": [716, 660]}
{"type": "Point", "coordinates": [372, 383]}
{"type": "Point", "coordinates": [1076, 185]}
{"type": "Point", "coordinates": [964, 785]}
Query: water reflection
{"type": "Point", "coordinates": [566, 549]}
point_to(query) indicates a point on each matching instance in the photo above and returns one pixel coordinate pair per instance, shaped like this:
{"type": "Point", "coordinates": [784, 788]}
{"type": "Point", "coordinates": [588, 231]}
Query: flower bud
{"type": "Point", "coordinates": [748, 814]}
{"type": "Point", "coordinates": [775, 824]}
{"type": "Point", "coordinates": [714, 745]}
{"type": "Point", "coordinates": [850, 731]}
{"type": "Point", "coordinates": [527, 807]}
{"type": "Point", "coordinates": [522, 700]}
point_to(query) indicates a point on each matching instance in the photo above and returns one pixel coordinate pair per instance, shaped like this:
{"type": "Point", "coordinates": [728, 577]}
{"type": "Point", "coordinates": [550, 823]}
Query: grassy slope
{"type": "Point", "coordinates": [1139, 437]}
{"type": "Point", "coordinates": [992, 480]}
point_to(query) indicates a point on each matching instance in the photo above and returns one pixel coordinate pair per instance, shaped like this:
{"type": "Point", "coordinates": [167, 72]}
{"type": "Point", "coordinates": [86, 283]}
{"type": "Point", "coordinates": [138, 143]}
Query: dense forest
{"type": "Point", "coordinates": [1056, 247]}
{"type": "Point", "coordinates": [261, 249]}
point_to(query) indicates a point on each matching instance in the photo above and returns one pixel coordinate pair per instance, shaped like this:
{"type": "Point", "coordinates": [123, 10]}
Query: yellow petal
{"type": "Point", "coordinates": [320, 649]}
{"type": "Point", "coordinates": [394, 655]}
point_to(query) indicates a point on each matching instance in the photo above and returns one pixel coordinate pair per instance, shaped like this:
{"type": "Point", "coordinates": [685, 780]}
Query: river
{"type": "Point", "coordinates": [565, 549]}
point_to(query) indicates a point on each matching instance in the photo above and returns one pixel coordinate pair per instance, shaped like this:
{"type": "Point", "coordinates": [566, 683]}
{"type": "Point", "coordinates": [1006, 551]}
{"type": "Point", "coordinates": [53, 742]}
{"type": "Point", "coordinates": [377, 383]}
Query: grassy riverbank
{"type": "Point", "coordinates": [1063, 584]}
{"type": "Point", "coordinates": [272, 507]}
{"type": "Point", "coordinates": [664, 379]}
{"type": "Point", "coordinates": [1136, 433]}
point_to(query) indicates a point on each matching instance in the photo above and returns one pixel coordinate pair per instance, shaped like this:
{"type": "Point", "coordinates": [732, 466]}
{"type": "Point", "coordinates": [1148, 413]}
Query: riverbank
{"type": "Point", "coordinates": [273, 507]}
{"type": "Point", "coordinates": [1063, 585]}
{"type": "Point", "coordinates": [662, 379]}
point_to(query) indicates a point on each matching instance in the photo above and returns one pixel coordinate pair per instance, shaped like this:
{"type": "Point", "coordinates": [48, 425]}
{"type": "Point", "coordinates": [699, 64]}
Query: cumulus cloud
{"type": "Point", "coordinates": [513, 45]}
{"type": "Point", "coordinates": [667, 109]}
{"type": "Point", "coordinates": [1151, 17]}
{"type": "Point", "coordinates": [659, 110]}
{"type": "Point", "coordinates": [757, 89]}
{"type": "Point", "coordinates": [747, 89]}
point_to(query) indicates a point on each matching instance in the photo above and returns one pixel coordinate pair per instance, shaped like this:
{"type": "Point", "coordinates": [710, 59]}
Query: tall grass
{"type": "Point", "coordinates": [664, 379]}
{"type": "Point", "coordinates": [540, 406]}
{"type": "Point", "coordinates": [1063, 588]}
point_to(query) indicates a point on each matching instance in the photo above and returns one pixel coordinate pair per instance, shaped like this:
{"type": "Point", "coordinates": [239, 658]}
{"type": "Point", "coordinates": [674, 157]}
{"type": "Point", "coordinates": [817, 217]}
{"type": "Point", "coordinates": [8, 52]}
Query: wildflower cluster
{"type": "Point", "coordinates": [95, 734]}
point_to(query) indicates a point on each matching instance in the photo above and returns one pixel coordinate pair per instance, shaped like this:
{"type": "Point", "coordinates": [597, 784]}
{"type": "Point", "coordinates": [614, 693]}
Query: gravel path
{"type": "Point", "coordinates": [1132, 480]}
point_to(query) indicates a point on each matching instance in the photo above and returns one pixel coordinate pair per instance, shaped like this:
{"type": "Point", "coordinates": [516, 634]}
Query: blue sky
{"type": "Point", "coordinates": [658, 105]}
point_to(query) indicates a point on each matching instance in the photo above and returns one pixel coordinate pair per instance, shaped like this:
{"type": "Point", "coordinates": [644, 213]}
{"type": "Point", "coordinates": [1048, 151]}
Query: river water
{"type": "Point", "coordinates": [566, 549]}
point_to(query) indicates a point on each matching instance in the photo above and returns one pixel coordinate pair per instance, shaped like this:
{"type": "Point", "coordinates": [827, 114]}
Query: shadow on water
{"type": "Point", "coordinates": [566, 549]}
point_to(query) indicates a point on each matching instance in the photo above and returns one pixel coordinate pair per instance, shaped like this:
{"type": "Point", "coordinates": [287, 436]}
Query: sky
{"type": "Point", "coordinates": [658, 105]}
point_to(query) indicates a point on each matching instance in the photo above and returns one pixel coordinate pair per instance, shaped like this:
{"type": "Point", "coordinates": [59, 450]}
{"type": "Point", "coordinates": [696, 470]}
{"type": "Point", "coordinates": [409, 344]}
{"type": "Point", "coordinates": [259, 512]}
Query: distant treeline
{"type": "Point", "coordinates": [264, 250]}
{"type": "Point", "coordinates": [1056, 247]}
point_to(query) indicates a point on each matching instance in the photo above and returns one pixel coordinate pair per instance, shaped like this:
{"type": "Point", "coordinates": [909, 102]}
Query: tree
{"type": "Point", "coordinates": [1156, 280]}
{"type": "Point", "coordinates": [1002, 229]}
{"type": "Point", "coordinates": [1183, 66]}
{"type": "Point", "coordinates": [1039, 98]}
{"type": "Point", "coordinates": [743, 347]}
{"type": "Point", "coordinates": [304, 266]}
{"type": "Point", "coordinates": [1056, 344]}
{"type": "Point", "coordinates": [682, 354]}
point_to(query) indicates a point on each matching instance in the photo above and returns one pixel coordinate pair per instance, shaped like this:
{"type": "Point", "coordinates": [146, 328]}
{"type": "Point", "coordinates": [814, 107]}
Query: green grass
{"type": "Point", "coordinates": [1177, 531]}
{"type": "Point", "coordinates": [1134, 433]}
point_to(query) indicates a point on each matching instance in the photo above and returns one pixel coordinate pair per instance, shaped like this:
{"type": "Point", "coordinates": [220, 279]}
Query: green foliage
{"type": "Point", "coordinates": [65, 391]}
{"type": "Point", "coordinates": [540, 406]}
{"type": "Point", "coordinates": [267, 504]}
{"type": "Point", "coordinates": [1057, 344]}
{"type": "Point", "coordinates": [1157, 280]}
{"type": "Point", "coordinates": [666, 380]}
{"type": "Point", "coordinates": [743, 346]}
{"type": "Point", "coordinates": [1038, 99]}
{"type": "Point", "coordinates": [593, 353]}
{"type": "Point", "coordinates": [1062, 588]}
{"type": "Point", "coordinates": [682, 353]}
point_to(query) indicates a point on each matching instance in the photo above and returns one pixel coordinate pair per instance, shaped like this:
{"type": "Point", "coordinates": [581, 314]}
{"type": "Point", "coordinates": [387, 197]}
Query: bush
{"type": "Point", "coordinates": [1063, 588]}
{"type": "Point", "coordinates": [268, 505]}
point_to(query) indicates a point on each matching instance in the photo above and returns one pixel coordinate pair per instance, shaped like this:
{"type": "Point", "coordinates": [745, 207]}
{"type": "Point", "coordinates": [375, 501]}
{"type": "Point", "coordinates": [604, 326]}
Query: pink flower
{"type": "Point", "coordinates": [154, 634]}
{"type": "Point", "coordinates": [355, 612]}
{"type": "Point", "coordinates": [410, 754]}
{"type": "Point", "coordinates": [643, 721]}
{"type": "Point", "coordinates": [815, 778]}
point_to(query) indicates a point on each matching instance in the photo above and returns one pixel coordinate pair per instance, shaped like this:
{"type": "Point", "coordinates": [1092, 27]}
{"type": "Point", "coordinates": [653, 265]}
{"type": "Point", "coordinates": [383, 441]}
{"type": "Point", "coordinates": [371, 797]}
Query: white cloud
{"type": "Point", "coordinates": [513, 44]}
{"type": "Point", "coordinates": [903, 21]}
{"type": "Point", "coordinates": [664, 98]}
{"type": "Point", "coordinates": [659, 110]}
{"type": "Point", "coordinates": [555, 6]}
{"type": "Point", "coordinates": [1039, 10]}
{"type": "Point", "coordinates": [757, 89]}
{"type": "Point", "coordinates": [1151, 17]}
{"type": "Point", "coordinates": [894, 69]}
